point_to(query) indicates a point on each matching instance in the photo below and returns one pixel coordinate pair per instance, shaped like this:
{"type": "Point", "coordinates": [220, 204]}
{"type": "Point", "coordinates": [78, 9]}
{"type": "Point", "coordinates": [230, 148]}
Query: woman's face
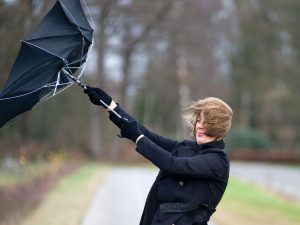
{"type": "Point", "coordinates": [200, 131]}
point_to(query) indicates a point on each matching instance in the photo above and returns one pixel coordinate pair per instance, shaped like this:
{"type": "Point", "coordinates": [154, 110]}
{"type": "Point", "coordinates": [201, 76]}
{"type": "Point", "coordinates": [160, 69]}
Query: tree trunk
{"type": "Point", "coordinates": [125, 72]}
{"type": "Point", "coordinates": [184, 92]}
{"type": "Point", "coordinates": [97, 118]}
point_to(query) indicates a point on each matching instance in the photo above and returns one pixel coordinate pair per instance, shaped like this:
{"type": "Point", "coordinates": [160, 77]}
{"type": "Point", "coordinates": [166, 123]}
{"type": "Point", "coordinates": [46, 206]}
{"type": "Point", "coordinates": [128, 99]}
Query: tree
{"type": "Point", "coordinates": [264, 68]}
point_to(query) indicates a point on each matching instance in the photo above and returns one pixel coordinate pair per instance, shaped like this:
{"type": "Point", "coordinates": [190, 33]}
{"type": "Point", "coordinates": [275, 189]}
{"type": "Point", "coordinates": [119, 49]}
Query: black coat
{"type": "Point", "coordinates": [191, 181]}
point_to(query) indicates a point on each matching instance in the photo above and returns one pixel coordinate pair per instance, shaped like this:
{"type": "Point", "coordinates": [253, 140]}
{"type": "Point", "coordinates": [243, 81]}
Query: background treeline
{"type": "Point", "coordinates": [154, 58]}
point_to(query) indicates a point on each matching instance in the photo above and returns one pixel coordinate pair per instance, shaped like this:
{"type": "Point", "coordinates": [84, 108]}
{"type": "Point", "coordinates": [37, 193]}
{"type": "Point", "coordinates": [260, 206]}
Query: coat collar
{"type": "Point", "coordinates": [214, 144]}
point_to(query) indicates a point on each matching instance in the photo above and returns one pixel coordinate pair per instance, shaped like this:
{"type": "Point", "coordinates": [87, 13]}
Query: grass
{"type": "Point", "coordinates": [245, 204]}
{"type": "Point", "coordinates": [67, 202]}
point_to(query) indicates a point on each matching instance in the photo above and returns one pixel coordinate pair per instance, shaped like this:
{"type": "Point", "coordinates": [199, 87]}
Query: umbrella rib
{"type": "Point", "coordinates": [48, 96]}
{"type": "Point", "coordinates": [54, 36]}
{"type": "Point", "coordinates": [42, 49]}
{"type": "Point", "coordinates": [57, 82]}
{"type": "Point", "coordinates": [89, 13]}
{"type": "Point", "coordinates": [69, 13]}
{"type": "Point", "coordinates": [76, 61]}
{"type": "Point", "coordinates": [28, 93]}
{"type": "Point", "coordinates": [83, 68]}
{"type": "Point", "coordinates": [72, 15]}
{"type": "Point", "coordinates": [76, 23]}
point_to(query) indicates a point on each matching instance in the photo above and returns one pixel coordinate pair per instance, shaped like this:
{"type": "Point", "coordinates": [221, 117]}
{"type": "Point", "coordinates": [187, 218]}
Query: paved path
{"type": "Point", "coordinates": [283, 179]}
{"type": "Point", "coordinates": [120, 197]}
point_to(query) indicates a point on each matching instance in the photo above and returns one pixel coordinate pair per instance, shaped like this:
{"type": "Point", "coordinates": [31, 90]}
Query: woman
{"type": "Point", "coordinates": [193, 174]}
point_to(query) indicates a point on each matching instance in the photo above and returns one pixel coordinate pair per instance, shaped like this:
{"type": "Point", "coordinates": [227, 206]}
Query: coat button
{"type": "Point", "coordinates": [181, 183]}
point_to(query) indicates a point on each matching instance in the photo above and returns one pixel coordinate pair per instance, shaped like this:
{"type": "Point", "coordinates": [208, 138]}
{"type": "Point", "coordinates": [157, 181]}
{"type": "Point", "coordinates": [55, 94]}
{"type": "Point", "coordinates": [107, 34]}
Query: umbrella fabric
{"type": "Point", "coordinates": [62, 40]}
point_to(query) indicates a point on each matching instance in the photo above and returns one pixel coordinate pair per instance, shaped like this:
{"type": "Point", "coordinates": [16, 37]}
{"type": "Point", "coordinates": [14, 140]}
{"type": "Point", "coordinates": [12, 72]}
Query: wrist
{"type": "Point", "coordinates": [139, 138]}
{"type": "Point", "coordinates": [112, 106]}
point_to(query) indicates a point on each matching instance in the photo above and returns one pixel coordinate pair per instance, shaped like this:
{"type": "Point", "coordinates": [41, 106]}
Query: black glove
{"type": "Point", "coordinates": [97, 94]}
{"type": "Point", "coordinates": [115, 119]}
{"type": "Point", "coordinates": [129, 129]}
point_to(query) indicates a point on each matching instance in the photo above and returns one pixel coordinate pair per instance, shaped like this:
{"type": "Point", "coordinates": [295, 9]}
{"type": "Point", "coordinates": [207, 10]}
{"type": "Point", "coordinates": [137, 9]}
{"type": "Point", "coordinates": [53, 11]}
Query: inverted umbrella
{"type": "Point", "coordinates": [51, 59]}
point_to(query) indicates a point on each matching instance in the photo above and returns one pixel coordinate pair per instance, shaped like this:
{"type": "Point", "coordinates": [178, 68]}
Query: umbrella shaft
{"type": "Point", "coordinates": [74, 78]}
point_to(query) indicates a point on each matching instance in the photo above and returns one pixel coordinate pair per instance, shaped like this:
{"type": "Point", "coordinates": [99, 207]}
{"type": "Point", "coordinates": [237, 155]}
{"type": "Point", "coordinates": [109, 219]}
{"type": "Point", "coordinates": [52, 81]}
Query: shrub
{"type": "Point", "coordinates": [247, 138]}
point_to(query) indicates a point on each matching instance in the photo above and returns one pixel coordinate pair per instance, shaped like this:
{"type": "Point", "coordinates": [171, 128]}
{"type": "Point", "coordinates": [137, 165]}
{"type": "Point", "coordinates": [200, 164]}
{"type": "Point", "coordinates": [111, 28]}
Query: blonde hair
{"type": "Point", "coordinates": [217, 116]}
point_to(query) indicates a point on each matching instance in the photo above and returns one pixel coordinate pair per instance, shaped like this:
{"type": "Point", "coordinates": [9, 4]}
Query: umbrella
{"type": "Point", "coordinates": [51, 59]}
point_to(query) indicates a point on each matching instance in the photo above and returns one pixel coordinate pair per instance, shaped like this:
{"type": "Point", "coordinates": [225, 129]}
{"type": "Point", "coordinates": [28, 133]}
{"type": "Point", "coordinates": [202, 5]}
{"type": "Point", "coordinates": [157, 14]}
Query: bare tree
{"type": "Point", "coordinates": [130, 40]}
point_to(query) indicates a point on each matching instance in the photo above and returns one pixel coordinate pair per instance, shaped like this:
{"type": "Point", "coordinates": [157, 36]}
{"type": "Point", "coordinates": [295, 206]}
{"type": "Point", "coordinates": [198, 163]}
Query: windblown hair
{"type": "Point", "coordinates": [217, 116]}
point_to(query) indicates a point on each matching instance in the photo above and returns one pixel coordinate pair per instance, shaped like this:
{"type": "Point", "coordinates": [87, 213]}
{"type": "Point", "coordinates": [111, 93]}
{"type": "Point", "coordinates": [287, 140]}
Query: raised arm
{"type": "Point", "coordinates": [211, 164]}
{"type": "Point", "coordinates": [100, 97]}
{"type": "Point", "coordinates": [163, 142]}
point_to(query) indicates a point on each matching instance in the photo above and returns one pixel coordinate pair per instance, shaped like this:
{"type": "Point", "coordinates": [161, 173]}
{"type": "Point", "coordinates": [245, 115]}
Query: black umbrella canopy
{"type": "Point", "coordinates": [62, 40]}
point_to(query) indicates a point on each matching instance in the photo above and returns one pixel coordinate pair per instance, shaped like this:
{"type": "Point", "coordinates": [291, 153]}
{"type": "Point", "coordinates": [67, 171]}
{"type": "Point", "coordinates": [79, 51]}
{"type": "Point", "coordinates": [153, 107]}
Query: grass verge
{"type": "Point", "coordinates": [247, 204]}
{"type": "Point", "coordinates": [10, 177]}
{"type": "Point", "coordinates": [67, 202]}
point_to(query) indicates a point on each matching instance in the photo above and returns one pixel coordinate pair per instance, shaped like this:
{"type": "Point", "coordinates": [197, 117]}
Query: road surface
{"type": "Point", "coordinates": [282, 179]}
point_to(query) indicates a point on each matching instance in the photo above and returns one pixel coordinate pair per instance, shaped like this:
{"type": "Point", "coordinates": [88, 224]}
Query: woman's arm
{"type": "Point", "coordinates": [209, 165]}
{"type": "Point", "coordinates": [163, 142]}
{"type": "Point", "coordinates": [212, 164]}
